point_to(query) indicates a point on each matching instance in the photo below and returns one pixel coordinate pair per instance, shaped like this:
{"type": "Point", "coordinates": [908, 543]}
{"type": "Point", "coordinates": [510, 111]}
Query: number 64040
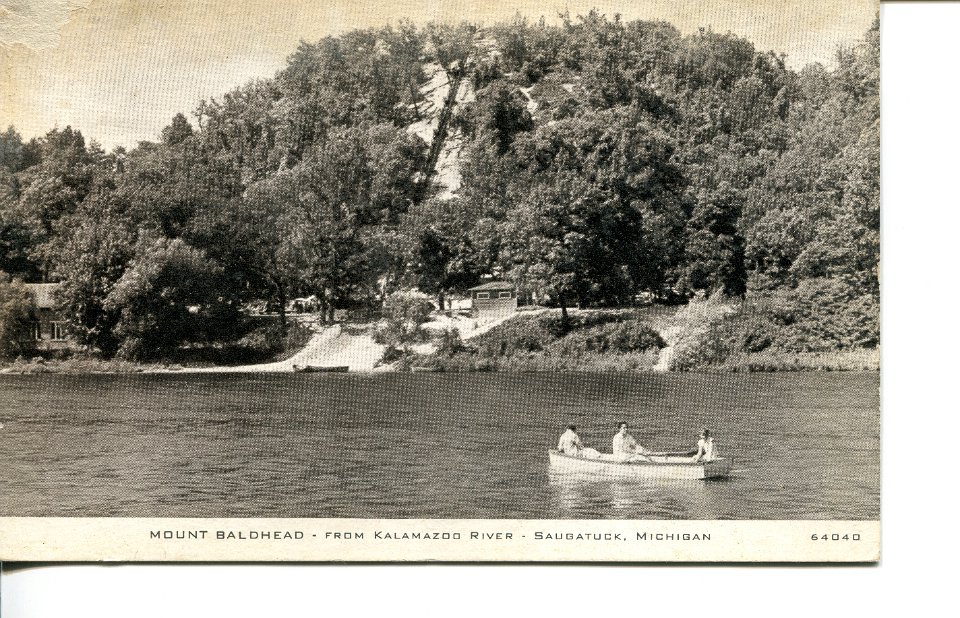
{"type": "Point", "coordinates": [835, 537]}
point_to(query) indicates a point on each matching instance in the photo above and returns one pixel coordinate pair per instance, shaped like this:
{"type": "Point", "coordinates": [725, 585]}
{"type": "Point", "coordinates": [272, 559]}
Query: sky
{"type": "Point", "coordinates": [119, 70]}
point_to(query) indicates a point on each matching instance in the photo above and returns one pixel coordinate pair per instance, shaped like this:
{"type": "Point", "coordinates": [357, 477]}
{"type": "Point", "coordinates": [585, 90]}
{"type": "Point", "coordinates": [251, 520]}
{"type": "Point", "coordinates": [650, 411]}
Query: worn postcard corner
{"type": "Point", "coordinates": [557, 281]}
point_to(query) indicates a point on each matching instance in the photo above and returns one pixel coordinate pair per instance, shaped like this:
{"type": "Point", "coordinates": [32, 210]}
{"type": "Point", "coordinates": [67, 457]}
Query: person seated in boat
{"type": "Point", "coordinates": [570, 443]}
{"type": "Point", "coordinates": [625, 448]}
{"type": "Point", "coordinates": [706, 451]}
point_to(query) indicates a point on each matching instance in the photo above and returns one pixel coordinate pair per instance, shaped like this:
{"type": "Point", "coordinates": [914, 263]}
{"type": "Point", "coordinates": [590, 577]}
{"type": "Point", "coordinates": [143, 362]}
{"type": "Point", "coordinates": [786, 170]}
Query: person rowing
{"type": "Point", "coordinates": [625, 447]}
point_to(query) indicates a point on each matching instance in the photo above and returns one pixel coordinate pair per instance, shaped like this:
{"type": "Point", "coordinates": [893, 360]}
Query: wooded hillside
{"type": "Point", "coordinates": [595, 160]}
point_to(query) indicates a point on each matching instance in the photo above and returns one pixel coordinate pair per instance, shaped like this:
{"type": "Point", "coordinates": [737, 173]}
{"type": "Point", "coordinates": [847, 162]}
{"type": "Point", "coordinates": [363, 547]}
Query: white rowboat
{"type": "Point", "coordinates": [666, 467]}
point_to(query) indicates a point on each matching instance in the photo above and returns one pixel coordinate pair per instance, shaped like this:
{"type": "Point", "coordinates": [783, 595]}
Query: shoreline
{"type": "Point", "coordinates": [352, 345]}
{"type": "Point", "coordinates": [850, 361]}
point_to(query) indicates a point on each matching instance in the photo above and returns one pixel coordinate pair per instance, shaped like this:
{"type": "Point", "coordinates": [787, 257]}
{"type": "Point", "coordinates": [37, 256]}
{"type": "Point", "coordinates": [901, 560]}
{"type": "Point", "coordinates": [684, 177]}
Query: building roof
{"type": "Point", "coordinates": [493, 285]}
{"type": "Point", "coordinates": [43, 294]}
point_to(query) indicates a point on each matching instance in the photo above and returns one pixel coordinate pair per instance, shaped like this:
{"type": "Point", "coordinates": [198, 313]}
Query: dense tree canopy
{"type": "Point", "coordinates": [597, 159]}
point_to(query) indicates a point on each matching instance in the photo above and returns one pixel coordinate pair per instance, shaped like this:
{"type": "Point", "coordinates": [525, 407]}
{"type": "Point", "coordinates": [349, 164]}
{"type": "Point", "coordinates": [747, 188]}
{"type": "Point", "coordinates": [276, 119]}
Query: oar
{"type": "Point", "coordinates": [690, 453]}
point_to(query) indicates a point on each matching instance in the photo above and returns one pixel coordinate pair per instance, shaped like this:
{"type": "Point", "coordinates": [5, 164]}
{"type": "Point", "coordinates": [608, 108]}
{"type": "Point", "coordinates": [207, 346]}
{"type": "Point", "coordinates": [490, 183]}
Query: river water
{"type": "Point", "coordinates": [805, 445]}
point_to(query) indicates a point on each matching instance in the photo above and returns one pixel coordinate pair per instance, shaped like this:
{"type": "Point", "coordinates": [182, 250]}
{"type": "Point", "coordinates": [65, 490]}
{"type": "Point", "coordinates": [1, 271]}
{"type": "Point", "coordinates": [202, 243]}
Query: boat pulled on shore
{"type": "Point", "coordinates": [320, 369]}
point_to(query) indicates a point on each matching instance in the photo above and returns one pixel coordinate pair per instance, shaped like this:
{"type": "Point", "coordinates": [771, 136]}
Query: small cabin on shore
{"type": "Point", "coordinates": [48, 329]}
{"type": "Point", "coordinates": [495, 299]}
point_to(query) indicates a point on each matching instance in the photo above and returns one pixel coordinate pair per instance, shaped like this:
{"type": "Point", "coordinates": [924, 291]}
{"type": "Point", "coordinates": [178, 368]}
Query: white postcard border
{"type": "Point", "coordinates": [449, 540]}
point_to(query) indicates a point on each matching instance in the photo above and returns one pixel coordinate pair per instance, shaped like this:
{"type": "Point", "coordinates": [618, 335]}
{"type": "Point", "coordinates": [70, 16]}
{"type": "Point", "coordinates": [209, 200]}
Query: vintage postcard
{"type": "Point", "coordinates": [456, 280]}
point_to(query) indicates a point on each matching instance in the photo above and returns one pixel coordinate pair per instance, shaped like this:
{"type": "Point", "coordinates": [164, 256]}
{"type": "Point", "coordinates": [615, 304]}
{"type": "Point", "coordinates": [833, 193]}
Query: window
{"type": "Point", "coordinates": [37, 333]}
{"type": "Point", "coordinates": [58, 331]}
{"type": "Point", "coordinates": [483, 295]}
{"type": "Point", "coordinates": [504, 295]}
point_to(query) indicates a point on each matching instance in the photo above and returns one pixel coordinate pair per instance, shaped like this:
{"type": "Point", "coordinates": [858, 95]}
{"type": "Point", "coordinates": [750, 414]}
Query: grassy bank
{"type": "Point", "coordinates": [605, 341]}
{"type": "Point", "coordinates": [532, 363]}
{"type": "Point", "coordinates": [769, 362]}
{"type": "Point", "coordinates": [762, 334]}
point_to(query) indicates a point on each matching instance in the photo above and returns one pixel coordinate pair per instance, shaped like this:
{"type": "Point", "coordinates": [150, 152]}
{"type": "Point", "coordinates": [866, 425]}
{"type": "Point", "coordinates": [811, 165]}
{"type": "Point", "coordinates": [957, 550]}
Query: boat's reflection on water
{"type": "Point", "coordinates": [589, 495]}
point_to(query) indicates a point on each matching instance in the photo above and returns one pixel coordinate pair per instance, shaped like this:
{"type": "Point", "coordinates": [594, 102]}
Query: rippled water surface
{"type": "Point", "coordinates": [805, 446]}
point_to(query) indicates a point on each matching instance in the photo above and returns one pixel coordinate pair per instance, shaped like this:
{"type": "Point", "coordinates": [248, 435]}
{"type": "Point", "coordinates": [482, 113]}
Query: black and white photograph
{"type": "Point", "coordinates": [455, 280]}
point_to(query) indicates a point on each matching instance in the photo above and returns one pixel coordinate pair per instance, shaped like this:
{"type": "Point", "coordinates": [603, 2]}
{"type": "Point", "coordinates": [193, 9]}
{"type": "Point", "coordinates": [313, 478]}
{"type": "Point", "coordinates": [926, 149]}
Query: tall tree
{"type": "Point", "coordinates": [168, 295]}
{"type": "Point", "coordinates": [343, 198]}
{"type": "Point", "coordinates": [441, 255]}
{"type": "Point", "coordinates": [178, 130]}
{"type": "Point", "coordinates": [600, 216]}
{"type": "Point", "coordinates": [52, 188]}
{"type": "Point", "coordinates": [96, 249]}
{"type": "Point", "coordinates": [816, 212]}
{"type": "Point", "coordinates": [11, 151]}
{"type": "Point", "coordinates": [16, 311]}
{"type": "Point", "coordinates": [714, 258]}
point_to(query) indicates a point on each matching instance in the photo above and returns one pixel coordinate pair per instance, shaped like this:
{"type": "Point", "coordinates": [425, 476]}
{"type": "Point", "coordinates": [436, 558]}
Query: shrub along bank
{"type": "Point", "coordinates": [819, 325]}
{"type": "Point", "coordinates": [262, 341]}
{"type": "Point", "coordinates": [587, 341]}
